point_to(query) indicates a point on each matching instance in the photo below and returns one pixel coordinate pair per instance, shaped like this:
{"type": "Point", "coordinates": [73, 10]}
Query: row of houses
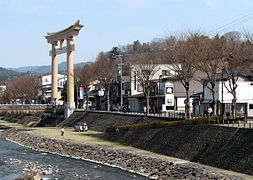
{"type": "Point", "coordinates": [166, 95]}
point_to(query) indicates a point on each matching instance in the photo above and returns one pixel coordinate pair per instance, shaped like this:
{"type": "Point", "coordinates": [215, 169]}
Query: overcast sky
{"type": "Point", "coordinates": [108, 23]}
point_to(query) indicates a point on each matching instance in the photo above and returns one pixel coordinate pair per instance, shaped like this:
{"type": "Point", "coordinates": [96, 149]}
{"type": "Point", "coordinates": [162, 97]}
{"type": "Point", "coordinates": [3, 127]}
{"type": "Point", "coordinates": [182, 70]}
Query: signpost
{"type": "Point", "coordinates": [233, 101]}
{"type": "Point", "coordinates": [81, 93]}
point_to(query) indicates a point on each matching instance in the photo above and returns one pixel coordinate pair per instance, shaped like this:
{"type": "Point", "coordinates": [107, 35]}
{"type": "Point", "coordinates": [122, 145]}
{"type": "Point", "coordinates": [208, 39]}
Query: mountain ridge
{"type": "Point", "coordinates": [45, 68]}
{"type": "Point", "coordinates": [5, 74]}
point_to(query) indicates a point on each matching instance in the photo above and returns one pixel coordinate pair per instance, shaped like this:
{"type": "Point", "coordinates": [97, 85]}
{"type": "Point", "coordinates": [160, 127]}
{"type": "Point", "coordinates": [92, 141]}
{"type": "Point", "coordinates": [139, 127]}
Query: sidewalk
{"type": "Point", "coordinates": [82, 137]}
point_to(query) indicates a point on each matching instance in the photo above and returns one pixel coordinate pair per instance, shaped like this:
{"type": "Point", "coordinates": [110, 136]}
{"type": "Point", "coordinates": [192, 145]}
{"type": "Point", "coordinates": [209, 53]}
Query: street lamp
{"type": "Point", "coordinates": [121, 71]}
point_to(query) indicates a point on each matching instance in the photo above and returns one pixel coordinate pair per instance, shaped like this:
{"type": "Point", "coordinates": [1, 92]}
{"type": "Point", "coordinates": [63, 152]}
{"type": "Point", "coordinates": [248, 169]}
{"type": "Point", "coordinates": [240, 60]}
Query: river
{"type": "Point", "coordinates": [16, 160]}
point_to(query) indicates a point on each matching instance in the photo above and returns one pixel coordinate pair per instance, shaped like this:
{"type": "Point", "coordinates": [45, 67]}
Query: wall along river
{"type": "Point", "coordinates": [16, 160]}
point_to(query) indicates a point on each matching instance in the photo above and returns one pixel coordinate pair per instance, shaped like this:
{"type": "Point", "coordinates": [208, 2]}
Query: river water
{"type": "Point", "coordinates": [16, 160]}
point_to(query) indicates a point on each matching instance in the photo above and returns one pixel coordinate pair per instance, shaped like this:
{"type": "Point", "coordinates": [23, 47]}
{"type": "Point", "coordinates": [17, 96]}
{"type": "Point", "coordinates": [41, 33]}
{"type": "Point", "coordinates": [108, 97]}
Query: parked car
{"type": "Point", "coordinates": [90, 105]}
{"type": "Point", "coordinates": [114, 107]}
{"type": "Point", "coordinates": [79, 126]}
{"type": "Point", "coordinates": [93, 106]}
{"type": "Point", "coordinates": [117, 107]}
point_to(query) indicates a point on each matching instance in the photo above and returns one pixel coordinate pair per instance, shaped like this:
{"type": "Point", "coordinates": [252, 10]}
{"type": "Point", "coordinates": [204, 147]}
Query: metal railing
{"type": "Point", "coordinates": [29, 107]}
{"type": "Point", "coordinates": [172, 114]}
{"type": "Point", "coordinates": [233, 123]}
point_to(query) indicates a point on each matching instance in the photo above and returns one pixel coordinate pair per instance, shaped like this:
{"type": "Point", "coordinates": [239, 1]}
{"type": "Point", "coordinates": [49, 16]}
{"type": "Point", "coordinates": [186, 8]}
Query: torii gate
{"type": "Point", "coordinates": [54, 39]}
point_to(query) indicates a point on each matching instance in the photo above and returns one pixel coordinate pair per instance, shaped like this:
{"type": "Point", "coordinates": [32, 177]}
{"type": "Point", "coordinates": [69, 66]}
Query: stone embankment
{"type": "Point", "coordinates": [222, 147]}
{"type": "Point", "coordinates": [98, 121]}
{"type": "Point", "coordinates": [33, 120]}
{"type": "Point", "coordinates": [141, 163]}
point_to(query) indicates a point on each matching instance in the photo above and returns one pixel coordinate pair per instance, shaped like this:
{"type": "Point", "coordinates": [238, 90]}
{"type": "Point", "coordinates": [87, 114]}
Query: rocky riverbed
{"type": "Point", "coordinates": [155, 167]}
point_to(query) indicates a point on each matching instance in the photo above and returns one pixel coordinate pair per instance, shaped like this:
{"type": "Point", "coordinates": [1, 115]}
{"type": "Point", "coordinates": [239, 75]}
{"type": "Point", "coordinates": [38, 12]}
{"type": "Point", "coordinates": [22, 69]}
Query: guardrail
{"type": "Point", "coordinates": [247, 123]}
{"type": "Point", "coordinates": [30, 108]}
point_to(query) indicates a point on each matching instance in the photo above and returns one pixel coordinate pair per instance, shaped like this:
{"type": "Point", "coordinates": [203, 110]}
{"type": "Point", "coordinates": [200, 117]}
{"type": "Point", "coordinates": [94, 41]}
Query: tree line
{"type": "Point", "coordinates": [190, 53]}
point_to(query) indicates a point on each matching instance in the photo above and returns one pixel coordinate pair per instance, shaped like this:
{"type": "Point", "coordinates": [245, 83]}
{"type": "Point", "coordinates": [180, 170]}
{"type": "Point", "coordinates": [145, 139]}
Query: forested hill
{"type": "Point", "coordinates": [46, 68]}
{"type": "Point", "coordinates": [6, 74]}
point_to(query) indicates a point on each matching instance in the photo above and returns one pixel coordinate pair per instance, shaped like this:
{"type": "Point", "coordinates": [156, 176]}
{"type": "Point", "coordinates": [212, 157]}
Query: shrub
{"type": "Point", "coordinates": [162, 124]}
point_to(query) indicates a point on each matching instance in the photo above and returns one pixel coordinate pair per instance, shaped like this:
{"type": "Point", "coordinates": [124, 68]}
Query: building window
{"type": "Point", "coordinates": [169, 101]}
{"type": "Point", "coordinates": [169, 107]}
{"type": "Point", "coordinates": [165, 72]}
{"type": "Point", "coordinates": [250, 106]}
{"type": "Point", "coordinates": [139, 88]}
{"type": "Point", "coordinates": [227, 109]}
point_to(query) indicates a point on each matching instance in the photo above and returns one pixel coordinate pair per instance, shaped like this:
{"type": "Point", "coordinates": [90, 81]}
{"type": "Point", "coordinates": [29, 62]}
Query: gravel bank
{"type": "Point", "coordinates": [156, 167]}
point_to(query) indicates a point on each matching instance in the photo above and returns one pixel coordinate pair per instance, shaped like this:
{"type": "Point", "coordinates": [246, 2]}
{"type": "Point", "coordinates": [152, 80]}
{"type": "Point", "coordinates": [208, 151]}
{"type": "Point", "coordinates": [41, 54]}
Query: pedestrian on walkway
{"type": "Point", "coordinates": [62, 131]}
{"type": "Point", "coordinates": [86, 127]}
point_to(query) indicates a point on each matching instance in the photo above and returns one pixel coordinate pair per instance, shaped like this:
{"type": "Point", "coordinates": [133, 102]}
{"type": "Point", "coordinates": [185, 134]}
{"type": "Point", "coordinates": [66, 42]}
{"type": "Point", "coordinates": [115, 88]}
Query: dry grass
{"type": "Point", "coordinates": [70, 134]}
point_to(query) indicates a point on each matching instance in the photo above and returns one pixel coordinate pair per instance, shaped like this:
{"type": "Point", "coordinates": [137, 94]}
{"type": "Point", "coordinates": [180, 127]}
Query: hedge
{"type": "Point", "coordinates": [162, 124]}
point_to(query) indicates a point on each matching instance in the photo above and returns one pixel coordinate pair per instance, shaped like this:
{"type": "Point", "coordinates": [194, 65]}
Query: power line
{"type": "Point", "coordinates": [236, 22]}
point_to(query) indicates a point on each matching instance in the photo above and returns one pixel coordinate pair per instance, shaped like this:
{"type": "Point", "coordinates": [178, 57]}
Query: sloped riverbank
{"type": "Point", "coordinates": [134, 161]}
{"type": "Point", "coordinates": [223, 147]}
{"type": "Point", "coordinates": [21, 163]}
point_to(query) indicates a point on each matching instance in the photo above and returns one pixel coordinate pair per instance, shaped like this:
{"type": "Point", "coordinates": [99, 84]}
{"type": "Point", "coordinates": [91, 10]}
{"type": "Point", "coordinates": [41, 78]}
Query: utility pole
{"type": "Point", "coordinates": [222, 107]}
{"type": "Point", "coordinates": [76, 96]}
{"type": "Point", "coordinates": [121, 71]}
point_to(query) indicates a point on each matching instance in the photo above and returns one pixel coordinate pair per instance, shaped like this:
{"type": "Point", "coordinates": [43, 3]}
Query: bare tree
{"type": "Point", "coordinates": [32, 86]}
{"type": "Point", "coordinates": [234, 63]}
{"type": "Point", "coordinates": [85, 75]}
{"type": "Point", "coordinates": [105, 71]}
{"type": "Point", "coordinates": [2, 95]}
{"type": "Point", "coordinates": [12, 91]}
{"type": "Point", "coordinates": [209, 54]}
{"type": "Point", "coordinates": [25, 88]}
{"type": "Point", "coordinates": [248, 40]}
{"type": "Point", "coordinates": [180, 54]}
{"type": "Point", "coordinates": [144, 69]}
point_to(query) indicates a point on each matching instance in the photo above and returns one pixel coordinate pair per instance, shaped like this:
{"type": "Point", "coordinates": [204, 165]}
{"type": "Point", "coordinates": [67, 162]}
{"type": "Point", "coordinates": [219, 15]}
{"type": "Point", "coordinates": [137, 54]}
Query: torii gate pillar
{"type": "Point", "coordinates": [54, 39]}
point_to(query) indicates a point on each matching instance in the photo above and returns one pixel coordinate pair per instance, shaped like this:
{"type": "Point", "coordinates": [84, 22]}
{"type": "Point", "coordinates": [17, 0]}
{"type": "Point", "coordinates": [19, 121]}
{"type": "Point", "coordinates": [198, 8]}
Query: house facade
{"type": "Point", "coordinates": [244, 100]}
{"type": "Point", "coordinates": [161, 93]}
{"type": "Point", "coordinates": [167, 95]}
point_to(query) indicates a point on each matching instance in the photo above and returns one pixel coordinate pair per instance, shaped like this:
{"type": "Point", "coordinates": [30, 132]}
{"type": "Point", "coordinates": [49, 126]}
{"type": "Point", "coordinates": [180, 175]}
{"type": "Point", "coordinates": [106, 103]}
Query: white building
{"type": "Point", "coordinates": [161, 95]}
{"type": "Point", "coordinates": [47, 84]}
{"type": "Point", "coordinates": [244, 101]}
{"type": "Point", "coordinates": [169, 94]}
